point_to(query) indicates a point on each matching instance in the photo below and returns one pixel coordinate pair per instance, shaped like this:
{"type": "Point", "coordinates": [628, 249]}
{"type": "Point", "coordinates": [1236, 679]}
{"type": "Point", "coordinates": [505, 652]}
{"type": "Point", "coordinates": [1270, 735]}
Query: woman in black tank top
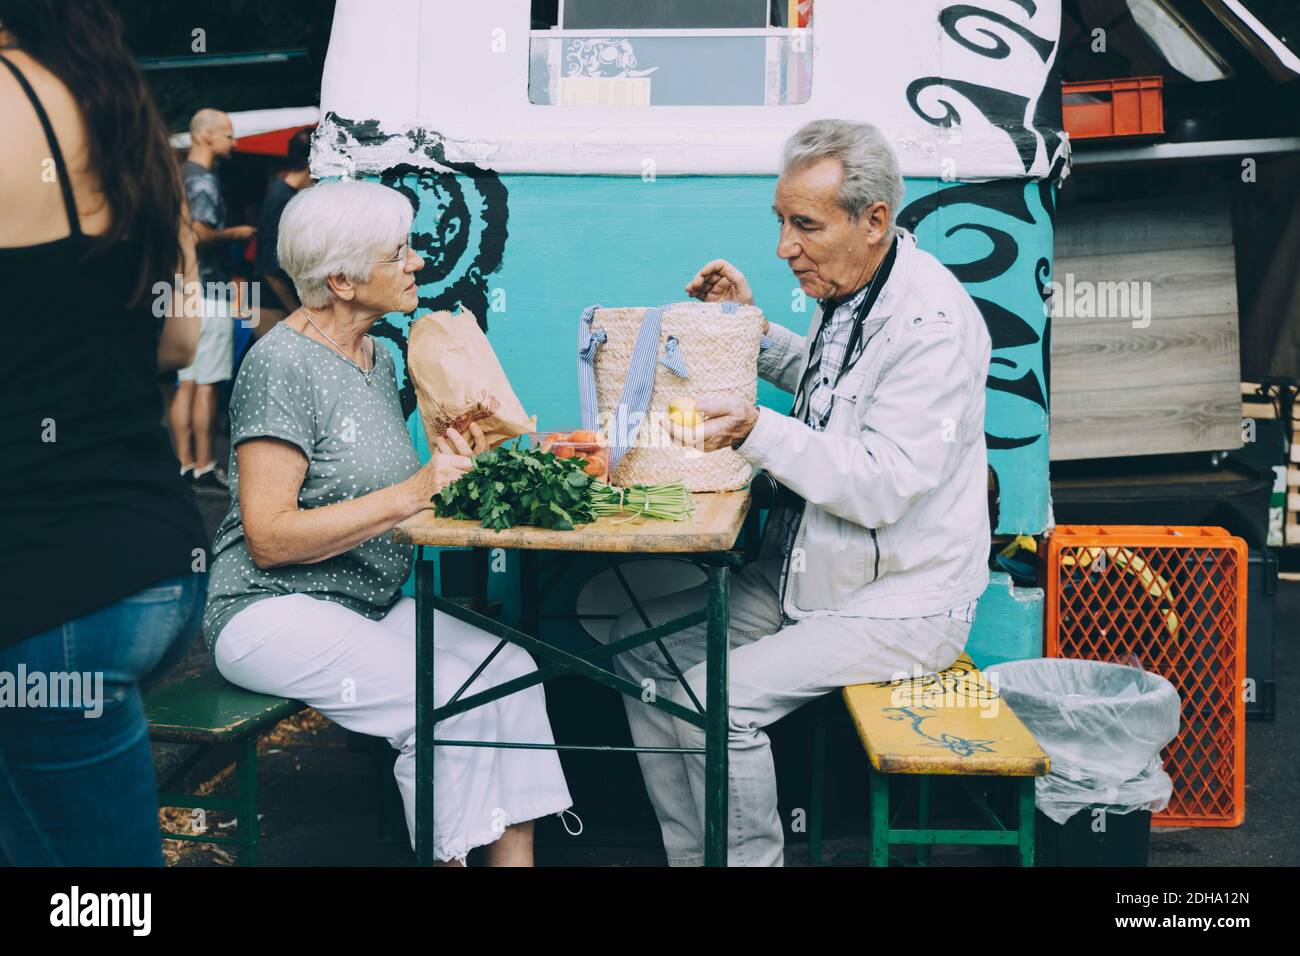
{"type": "Point", "coordinates": [102, 556]}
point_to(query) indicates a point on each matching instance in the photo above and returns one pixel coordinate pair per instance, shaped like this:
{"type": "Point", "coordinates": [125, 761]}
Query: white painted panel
{"type": "Point", "coordinates": [461, 69]}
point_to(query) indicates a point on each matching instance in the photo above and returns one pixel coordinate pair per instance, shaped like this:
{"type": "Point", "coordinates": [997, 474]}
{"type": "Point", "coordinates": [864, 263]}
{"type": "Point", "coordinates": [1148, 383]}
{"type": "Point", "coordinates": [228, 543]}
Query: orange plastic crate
{"type": "Point", "coordinates": [1174, 597]}
{"type": "Point", "coordinates": [1129, 107]}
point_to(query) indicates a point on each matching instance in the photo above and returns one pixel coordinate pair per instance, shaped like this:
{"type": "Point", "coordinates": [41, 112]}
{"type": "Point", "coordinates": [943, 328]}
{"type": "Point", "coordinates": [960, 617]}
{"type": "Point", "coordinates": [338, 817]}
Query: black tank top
{"type": "Point", "coordinates": [92, 505]}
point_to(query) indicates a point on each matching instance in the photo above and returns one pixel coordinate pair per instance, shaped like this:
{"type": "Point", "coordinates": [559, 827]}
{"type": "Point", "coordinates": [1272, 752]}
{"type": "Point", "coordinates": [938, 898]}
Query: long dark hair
{"type": "Point", "coordinates": [80, 42]}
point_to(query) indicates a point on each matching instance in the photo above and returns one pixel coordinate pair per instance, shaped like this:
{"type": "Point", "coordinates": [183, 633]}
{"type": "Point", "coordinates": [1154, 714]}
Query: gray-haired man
{"type": "Point", "coordinates": [875, 571]}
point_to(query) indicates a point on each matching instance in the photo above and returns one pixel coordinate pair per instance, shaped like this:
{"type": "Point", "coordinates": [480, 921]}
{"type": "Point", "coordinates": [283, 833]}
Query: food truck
{"type": "Point", "coordinates": [571, 152]}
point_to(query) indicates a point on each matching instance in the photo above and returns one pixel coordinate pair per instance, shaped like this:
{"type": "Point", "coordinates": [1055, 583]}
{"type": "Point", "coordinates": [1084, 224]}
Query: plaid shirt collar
{"type": "Point", "coordinates": [835, 342]}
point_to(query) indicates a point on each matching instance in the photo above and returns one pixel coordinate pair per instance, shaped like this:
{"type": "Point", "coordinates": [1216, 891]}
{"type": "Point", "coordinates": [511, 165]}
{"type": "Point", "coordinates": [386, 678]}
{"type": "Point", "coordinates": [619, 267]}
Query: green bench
{"type": "Point", "coordinates": [208, 711]}
{"type": "Point", "coordinates": [950, 725]}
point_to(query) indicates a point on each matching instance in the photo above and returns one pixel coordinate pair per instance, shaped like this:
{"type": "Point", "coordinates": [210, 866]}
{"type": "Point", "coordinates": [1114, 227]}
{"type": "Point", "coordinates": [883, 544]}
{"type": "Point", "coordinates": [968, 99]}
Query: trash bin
{"type": "Point", "coordinates": [1122, 840]}
{"type": "Point", "coordinates": [1103, 726]}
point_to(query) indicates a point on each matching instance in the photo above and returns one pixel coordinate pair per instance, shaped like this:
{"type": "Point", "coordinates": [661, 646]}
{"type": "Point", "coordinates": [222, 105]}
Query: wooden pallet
{"type": "Point", "coordinates": [1125, 387]}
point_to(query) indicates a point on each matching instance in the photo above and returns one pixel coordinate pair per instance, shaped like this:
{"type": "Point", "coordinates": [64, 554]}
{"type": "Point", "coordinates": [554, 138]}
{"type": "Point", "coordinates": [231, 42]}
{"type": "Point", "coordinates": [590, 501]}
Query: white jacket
{"type": "Point", "coordinates": [897, 521]}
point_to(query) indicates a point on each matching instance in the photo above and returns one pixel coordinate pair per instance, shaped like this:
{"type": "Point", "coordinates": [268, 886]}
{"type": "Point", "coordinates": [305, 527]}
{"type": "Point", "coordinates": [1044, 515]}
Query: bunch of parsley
{"type": "Point", "coordinates": [509, 486]}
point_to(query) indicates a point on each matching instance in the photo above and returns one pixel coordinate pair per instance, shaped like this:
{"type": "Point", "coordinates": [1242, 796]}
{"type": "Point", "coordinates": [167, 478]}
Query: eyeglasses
{"type": "Point", "coordinates": [401, 254]}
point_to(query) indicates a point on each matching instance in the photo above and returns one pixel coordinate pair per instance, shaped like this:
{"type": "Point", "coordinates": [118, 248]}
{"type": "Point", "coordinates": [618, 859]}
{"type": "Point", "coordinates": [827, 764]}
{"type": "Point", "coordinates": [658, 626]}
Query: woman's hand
{"type": "Point", "coordinates": [453, 443]}
{"type": "Point", "coordinates": [454, 457]}
{"type": "Point", "coordinates": [434, 475]}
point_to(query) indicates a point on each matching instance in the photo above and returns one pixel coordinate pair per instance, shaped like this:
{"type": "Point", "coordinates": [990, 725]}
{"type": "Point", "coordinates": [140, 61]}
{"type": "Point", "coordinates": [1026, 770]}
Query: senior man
{"type": "Point", "coordinates": [872, 565]}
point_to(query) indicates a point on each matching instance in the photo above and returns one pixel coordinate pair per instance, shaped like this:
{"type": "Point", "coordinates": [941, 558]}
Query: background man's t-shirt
{"type": "Point", "coordinates": [203, 193]}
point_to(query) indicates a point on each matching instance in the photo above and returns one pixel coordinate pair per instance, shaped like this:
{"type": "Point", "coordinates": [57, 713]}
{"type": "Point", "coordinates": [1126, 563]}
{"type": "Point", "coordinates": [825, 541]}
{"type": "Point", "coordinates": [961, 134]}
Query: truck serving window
{"type": "Point", "coordinates": [670, 52]}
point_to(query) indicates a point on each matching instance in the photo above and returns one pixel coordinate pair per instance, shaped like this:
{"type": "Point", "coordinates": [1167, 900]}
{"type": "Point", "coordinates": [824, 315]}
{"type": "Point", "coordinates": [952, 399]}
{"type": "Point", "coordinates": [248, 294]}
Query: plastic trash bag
{"type": "Point", "coordinates": [1103, 726]}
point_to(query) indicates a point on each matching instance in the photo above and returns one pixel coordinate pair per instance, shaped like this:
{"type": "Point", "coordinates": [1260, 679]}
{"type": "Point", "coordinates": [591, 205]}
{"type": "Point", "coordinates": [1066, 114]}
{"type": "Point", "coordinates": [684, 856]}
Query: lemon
{"type": "Point", "coordinates": [678, 418]}
{"type": "Point", "coordinates": [683, 406]}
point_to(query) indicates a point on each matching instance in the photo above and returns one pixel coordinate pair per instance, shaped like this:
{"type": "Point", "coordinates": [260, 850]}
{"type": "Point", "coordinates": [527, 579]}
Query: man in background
{"type": "Point", "coordinates": [296, 176]}
{"type": "Point", "coordinates": [193, 409]}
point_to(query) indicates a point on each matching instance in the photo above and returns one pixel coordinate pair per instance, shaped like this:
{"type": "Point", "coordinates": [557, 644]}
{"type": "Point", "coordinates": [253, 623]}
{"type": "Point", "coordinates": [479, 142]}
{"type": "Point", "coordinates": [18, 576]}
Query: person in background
{"type": "Point", "coordinates": [103, 546]}
{"type": "Point", "coordinates": [297, 176]}
{"type": "Point", "coordinates": [193, 409]}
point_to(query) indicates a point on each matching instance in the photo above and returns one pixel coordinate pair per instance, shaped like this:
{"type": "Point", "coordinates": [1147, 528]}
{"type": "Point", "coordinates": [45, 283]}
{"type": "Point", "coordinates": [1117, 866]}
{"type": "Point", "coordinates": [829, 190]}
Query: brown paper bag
{"type": "Point", "coordinates": [459, 380]}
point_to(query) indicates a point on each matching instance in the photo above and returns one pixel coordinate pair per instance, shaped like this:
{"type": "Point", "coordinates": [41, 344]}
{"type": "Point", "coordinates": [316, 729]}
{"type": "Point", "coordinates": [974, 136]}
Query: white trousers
{"type": "Point", "coordinates": [361, 674]}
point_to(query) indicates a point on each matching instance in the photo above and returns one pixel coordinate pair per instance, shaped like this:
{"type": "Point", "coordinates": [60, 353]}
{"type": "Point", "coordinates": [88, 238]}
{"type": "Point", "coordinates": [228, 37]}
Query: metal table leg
{"type": "Point", "coordinates": [715, 730]}
{"type": "Point", "coordinates": [715, 719]}
{"type": "Point", "coordinates": [529, 595]}
{"type": "Point", "coordinates": [424, 705]}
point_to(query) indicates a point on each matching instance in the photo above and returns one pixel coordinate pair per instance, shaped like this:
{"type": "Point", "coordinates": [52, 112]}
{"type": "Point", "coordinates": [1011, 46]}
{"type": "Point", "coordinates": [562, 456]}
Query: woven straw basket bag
{"type": "Point", "coordinates": [633, 362]}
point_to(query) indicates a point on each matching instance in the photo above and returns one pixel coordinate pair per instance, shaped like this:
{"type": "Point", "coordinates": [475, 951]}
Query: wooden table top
{"type": "Point", "coordinates": [714, 526]}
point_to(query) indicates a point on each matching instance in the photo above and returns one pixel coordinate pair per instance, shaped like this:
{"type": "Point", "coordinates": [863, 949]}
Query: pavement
{"type": "Point", "coordinates": [320, 793]}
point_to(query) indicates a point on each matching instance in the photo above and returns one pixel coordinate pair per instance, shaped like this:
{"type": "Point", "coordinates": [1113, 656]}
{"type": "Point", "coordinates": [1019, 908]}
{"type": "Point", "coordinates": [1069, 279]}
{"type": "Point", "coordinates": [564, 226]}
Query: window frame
{"type": "Point", "coordinates": [669, 31]}
{"type": "Point", "coordinates": [560, 34]}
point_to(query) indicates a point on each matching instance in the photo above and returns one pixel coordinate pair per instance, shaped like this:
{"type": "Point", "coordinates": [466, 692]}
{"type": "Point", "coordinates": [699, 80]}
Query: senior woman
{"type": "Point", "coordinates": [305, 597]}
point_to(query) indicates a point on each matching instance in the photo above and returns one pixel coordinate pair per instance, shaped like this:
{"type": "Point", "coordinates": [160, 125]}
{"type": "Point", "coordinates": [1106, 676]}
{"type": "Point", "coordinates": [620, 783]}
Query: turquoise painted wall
{"type": "Point", "coordinates": [572, 241]}
{"type": "Point", "coordinates": [1008, 624]}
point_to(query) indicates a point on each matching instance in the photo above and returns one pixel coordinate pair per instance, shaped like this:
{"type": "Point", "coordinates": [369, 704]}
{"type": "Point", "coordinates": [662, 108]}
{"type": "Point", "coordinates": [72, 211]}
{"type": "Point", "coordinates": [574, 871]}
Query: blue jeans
{"type": "Point", "coordinates": [76, 771]}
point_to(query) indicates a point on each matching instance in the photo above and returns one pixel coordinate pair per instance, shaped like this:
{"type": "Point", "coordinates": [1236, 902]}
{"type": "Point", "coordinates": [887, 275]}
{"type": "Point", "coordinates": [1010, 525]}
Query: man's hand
{"type": "Point", "coordinates": [720, 281]}
{"type": "Point", "coordinates": [206, 235]}
{"type": "Point", "coordinates": [728, 422]}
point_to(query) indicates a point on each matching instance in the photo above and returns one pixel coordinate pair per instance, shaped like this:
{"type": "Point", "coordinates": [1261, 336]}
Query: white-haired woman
{"type": "Point", "coordinates": [305, 597]}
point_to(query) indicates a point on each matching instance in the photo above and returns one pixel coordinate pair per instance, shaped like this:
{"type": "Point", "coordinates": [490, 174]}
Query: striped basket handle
{"type": "Point", "coordinates": [589, 343]}
{"type": "Point", "coordinates": [637, 387]}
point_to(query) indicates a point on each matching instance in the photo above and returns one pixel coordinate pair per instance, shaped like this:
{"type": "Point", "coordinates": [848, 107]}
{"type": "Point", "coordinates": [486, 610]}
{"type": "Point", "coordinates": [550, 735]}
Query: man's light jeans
{"type": "Point", "coordinates": [773, 671]}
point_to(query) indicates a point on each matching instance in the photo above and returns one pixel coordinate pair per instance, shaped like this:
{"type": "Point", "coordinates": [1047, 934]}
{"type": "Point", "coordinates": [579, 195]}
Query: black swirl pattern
{"type": "Point", "coordinates": [1007, 329]}
{"type": "Point", "coordinates": [999, 49]}
{"type": "Point", "coordinates": [456, 265]}
{"type": "Point", "coordinates": [1003, 109]}
{"type": "Point", "coordinates": [939, 101]}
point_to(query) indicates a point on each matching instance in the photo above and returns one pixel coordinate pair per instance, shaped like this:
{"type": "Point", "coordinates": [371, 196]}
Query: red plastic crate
{"type": "Point", "coordinates": [1133, 106]}
{"type": "Point", "coordinates": [1175, 597]}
